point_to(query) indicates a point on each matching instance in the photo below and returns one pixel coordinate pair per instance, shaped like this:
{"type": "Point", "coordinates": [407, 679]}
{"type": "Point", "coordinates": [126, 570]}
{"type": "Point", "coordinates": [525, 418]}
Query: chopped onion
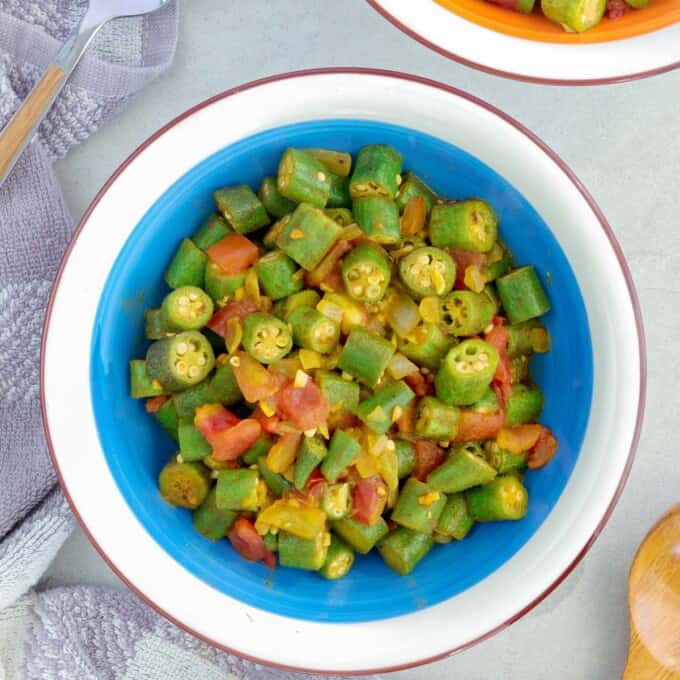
{"type": "Point", "coordinates": [399, 367]}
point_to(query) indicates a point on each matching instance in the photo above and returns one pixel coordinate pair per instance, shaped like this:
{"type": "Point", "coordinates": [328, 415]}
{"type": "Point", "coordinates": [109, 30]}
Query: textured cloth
{"type": "Point", "coordinates": [66, 633]}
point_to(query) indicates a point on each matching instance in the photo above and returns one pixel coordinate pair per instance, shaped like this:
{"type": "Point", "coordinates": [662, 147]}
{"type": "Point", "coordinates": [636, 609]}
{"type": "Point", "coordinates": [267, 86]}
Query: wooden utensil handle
{"type": "Point", "coordinates": [19, 130]}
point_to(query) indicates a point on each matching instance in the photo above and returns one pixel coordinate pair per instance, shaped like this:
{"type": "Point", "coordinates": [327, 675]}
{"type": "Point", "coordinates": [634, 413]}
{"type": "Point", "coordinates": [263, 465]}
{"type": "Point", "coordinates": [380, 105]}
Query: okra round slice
{"type": "Point", "coordinates": [466, 225]}
{"type": "Point", "coordinates": [303, 553]}
{"type": "Point", "coordinates": [303, 179]}
{"type": "Point", "coordinates": [524, 405]}
{"type": "Point", "coordinates": [366, 273]}
{"type": "Point", "coordinates": [505, 498]}
{"type": "Point", "coordinates": [339, 560]}
{"type": "Point", "coordinates": [339, 162]}
{"type": "Point", "coordinates": [403, 548]}
{"type": "Point", "coordinates": [377, 172]}
{"type": "Point", "coordinates": [184, 485]}
{"type": "Point", "coordinates": [428, 271]}
{"type": "Point", "coordinates": [504, 461]}
{"type": "Point", "coordinates": [574, 15]}
{"type": "Point", "coordinates": [466, 372]}
{"type": "Point", "coordinates": [241, 208]}
{"type": "Point", "coordinates": [466, 313]}
{"type": "Point", "coordinates": [426, 345]}
{"type": "Point", "coordinates": [313, 330]}
{"type": "Point", "coordinates": [522, 294]}
{"type": "Point", "coordinates": [378, 218]}
{"type": "Point", "coordinates": [279, 276]}
{"type": "Point", "coordinates": [180, 361]}
{"type": "Point", "coordinates": [187, 308]}
{"type": "Point", "coordinates": [266, 338]}
{"type": "Point", "coordinates": [435, 420]}
{"type": "Point", "coordinates": [337, 501]}
{"type": "Point", "coordinates": [274, 202]}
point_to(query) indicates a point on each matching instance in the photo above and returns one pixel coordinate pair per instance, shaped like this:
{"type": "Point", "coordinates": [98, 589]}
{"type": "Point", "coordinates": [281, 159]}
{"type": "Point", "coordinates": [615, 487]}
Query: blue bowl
{"type": "Point", "coordinates": [136, 448]}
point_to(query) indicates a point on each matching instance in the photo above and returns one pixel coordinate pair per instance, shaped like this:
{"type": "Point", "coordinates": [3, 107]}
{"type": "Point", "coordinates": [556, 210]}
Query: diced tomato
{"type": "Point", "coordinates": [418, 383]}
{"type": "Point", "coordinates": [333, 282]}
{"type": "Point", "coordinates": [269, 424]}
{"type": "Point", "coordinates": [473, 426]}
{"type": "Point", "coordinates": [543, 451]}
{"type": "Point", "coordinates": [519, 438]}
{"type": "Point", "coordinates": [406, 422]}
{"type": "Point", "coordinates": [236, 309]}
{"type": "Point", "coordinates": [231, 443]}
{"type": "Point", "coordinates": [211, 419]}
{"type": "Point", "coordinates": [413, 219]}
{"type": "Point", "coordinates": [498, 338]}
{"type": "Point", "coordinates": [463, 260]}
{"type": "Point", "coordinates": [233, 254]}
{"type": "Point", "coordinates": [154, 404]}
{"type": "Point", "coordinates": [316, 486]}
{"type": "Point", "coordinates": [428, 457]}
{"type": "Point", "coordinates": [616, 9]}
{"type": "Point", "coordinates": [326, 266]}
{"type": "Point", "coordinates": [370, 496]}
{"type": "Point", "coordinates": [254, 380]}
{"type": "Point", "coordinates": [305, 406]}
{"type": "Point", "coordinates": [249, 544]}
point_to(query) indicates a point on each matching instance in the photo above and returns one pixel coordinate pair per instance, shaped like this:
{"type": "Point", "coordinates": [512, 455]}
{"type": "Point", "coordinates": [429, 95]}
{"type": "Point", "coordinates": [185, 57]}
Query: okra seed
{"type": "Point", "coordinates": [373, 291]}
{"type": "Point", "coordinates": [321, 176]}
{"type": "Point", "coordinates": [484, 356]}
{"type": "Point", "coordinates": [183, 301]}
{"type": "Point", "coordinates": [194, 371]}
{"type": "Point", "coordinates": [181, 348]}
{"type": "Point", "coordinates": [201, 360]}
{"type": "Point", "coordinates": [235, 361]}
{"type": "Point", "coordinates": [181, 367]}
{"type": "Point", "coordinates": [193, 297]}
{"type": "Point", "coordinates": [357, 290]}
{"type": "Point", "coordinates": [353, 275]}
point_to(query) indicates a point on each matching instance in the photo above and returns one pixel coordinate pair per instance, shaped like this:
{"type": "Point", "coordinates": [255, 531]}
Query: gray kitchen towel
{"type": "Point", "coordinates": [77, 633]}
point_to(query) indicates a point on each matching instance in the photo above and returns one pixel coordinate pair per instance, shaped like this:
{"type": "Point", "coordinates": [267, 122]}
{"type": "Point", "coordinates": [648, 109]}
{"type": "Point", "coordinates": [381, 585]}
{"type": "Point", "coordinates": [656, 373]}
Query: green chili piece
{"type": "Point", "coordinates": [435, 420]}
{"type": "Point", "coordinates": [218, 284]}
{"type": "Point", "coordinates": [366, 273]}
{"type": "Point", "coordinates": [342, 216]}
{"type": "Point", "coordinates": [426, 345]}
{"type": "Point", "coordinates": [310, 454]}
{"type": "Point", "coordinates": [274, 202]}
{"type": "Point", "coordinates": [265, 337]}
{"type": "Point", "coordinates": [141, 385]}
{"type": "Point", "coordinates": [341, 394]}
{"type": "Point", "coordinates": [305, 298]}
{"type": "Point", "coordinates": [411, 187]}
{"type": "Point", "coordinates": [403, 548]}
{"type": "Point", "coordinates": [427, 271]}
{"type": "Point", "coordinates": [339, 560]}
{"type": "Point", "coordinates": [358, 535]}
{"type": "Point", "coordinates": [406, 457]}
{"type": "Point", "coordinates": [378, 219]}
{"type": "Point", "coordinates": [528, 337]}
{"type": "Point", "coordinates": [184, 485]}
{"type": "Point", "coordinates": [168, 419]}
{"type": "Point", "coordinates": [192, 444]}
{"type": "Point", "coordinates": [187, 401]}
{"type": "Point", "coordinates": [342, 452]}
{"type": "Point", "coordinates": [303, 179]}
{"type": "Point", "coordinates": [524, 405]}
{"type": "Point", "coordinates": [419, 506]}
{"type": "Point", "coordinates": [224, 386]}
{"type": "Point", "coordinates": [377, 172]}
{"type": "Point", "coordinates": [154, 324]}
{"type": "Point", "coordinates": [522, 294]}
{"type": "Point", "coordinates": [241, 208]}
{"type": "Point", "coordinates": [187, 267]}
{"type": "Point", "coordinates": [338, 162]}
{"type": "Point", "coordinates": [214, 229]}
{"type": "Point", "coordinates": [339, 193]}
{"type": "Point", "coordinates": [465, 225]}
{"type": "Point", "coordinates": [238, 490]}
{"type": "Point", "coordinates": [313, 330]}
{"type": "Point", "coordinates": [257, 450]}
{"type": "Point", "coordinates": [385, 407]}
{"type": "Point", "coordinates": [466, 372]}
{"type": "Point", "coordinates": [462, 470]}
{"type": "Point", "coordinates": [187, 308]}
{"type": "Point", "coordinates": [302, 553]}
{"type": "Point", "coordinates": [505, 498]}
{"type": "Point", "coordinates": [210, 521]}
{"type": "Point", "coordinates": [181, 361]}
{"type": "Point", "coordinates": [504, 461]}
{"type": "Point", "coordinates": [308, 235]}
{"type": "Point", "coordinates": [276, 483]}
{"type": "Point", "coordinates": [337, 501]}
{"type": "Point", "coordinates": [574, 15]}
{"type": "Point", "coordinates": [466, 313]}
{"type": "Point", "coordinates": [365, 355]}
{"type": "Point", "coordinates": [455, 520]}
{"type": "Point", "coordinates": [279, 275]}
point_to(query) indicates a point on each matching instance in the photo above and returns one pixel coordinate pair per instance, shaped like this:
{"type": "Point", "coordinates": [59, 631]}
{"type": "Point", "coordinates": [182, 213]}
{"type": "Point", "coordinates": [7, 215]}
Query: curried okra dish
{"type": "Point", "coordinates": [575, 16]}
{"type": "Point", "coordinates": [343, 360]}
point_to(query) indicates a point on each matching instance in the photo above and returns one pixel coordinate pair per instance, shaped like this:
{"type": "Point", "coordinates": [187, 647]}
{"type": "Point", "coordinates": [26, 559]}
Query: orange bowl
{"type": "Point", "coordinates": [659, 14]}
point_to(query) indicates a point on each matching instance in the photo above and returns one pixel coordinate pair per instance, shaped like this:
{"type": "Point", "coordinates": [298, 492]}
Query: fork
{"type": "Point", "coordinates": [20, 130]}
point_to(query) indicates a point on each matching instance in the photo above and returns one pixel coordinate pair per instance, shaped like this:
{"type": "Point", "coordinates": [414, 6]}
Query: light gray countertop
{"type": "Point", "coordinates": [622, 141]}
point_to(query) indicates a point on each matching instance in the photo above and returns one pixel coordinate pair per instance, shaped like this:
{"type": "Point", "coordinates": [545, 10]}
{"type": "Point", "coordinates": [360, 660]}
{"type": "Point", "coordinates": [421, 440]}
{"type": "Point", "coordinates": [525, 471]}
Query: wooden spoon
{"type": "Point", "coordinates": [654, 604]}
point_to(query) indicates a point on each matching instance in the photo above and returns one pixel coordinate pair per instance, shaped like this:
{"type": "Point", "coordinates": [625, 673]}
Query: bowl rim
{"type": "Point", "coordinates": [609, 233]}
{"type": "Point", "coordinates": [377, 5]}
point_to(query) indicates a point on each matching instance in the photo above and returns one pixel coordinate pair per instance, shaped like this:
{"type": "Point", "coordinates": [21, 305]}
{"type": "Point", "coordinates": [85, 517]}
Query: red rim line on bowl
{"type": "Point", "coordinates": [377, 6]}
{"type": "Point", "coordinates": [570, 175]}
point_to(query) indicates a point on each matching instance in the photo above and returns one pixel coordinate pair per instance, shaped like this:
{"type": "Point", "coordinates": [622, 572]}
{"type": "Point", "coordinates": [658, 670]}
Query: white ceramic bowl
{"type": "Point", "coordinates": [533, 61]}
{"type": "Point", "coordinates": [618, 384]}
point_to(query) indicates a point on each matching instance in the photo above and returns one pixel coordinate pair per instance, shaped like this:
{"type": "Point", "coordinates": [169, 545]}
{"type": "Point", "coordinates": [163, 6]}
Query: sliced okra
{"type": "Point", "coordinates": [378, 218]}
{"type": "Point", "coordinates": [426, 345]}
{"type": "Point", "coordinates": [342, 216]}
{"type": "Point", "coordinates": [455, 520]}
{"type": "Point", "coordinates": [463, 469]}
{"type": "Point", "coordinates": [419, 506]}
{"type": "Point", "coordinates": [428, 271]}
{"type": "Point", "coordinates": [504, 461]}
{"type": "Point", "coordinates": [277, 275]}
{"type": "Point", "coordinates": [366, 273]}
{"type": "Point", "coordinates": [377, 172]}
{"type": "Point", "coordinates": [574, 15]}
{"type": "Point", "coordinates": [266, 338]}
{"type": "Point", "coordinates": [339, 560]}
{"type": "Point", "coordinates": [466, 313]}
{"type": "Point", "coordinates": [436, 420]}
{"type": "Point", "coordinates": [310, 454]}
{"type": "Point", "coordinates": [338, 197]}
{"type": "Point", "coordinates": [522, 294]}
{"type": "Point", "coordinates": [303, 179]}
{"type": "Point", "coordinates": [403, 548]}
{"type": "Point", "coordinates": [411, 187]}
{"type": "Point", "coordinates": [212, 522]}
{"type": "Point", "coordinates": [180, 361]}
{"type": "Point", "coordinates": [141, 384]}
{"type": "Point", "coordinates": [313, 330]}
{"type": "Point", "coordinates": [187, 267]}
{"type": "Point", "coordinates": [336, 501]}
{"type": "Point", "coordinates": [184, 485]}
{"type": "Point", "coordinates": [365, 355]}
{"type": "Point", "coordinates": [305, 298]}
{"type": "Point", "coordinates": [504, 498]}
{"type": "Point", "coordinates": [274, 202]}
{"type": "Point", "coordinates": [362, 537]}
{"type": "Point", "coordinates": [187, 308]}
{"type": "Point", "coordinates": [406, 457]}
{"type": "Point", "coordinates": [338, 162]}
{"type": "Point", "coordinates": [524, 405]}
{"type": "Point", "coordinates": [241, 208]}
{"type": "Point", "coordinates": [220, 285]}
{"type": "Point", "coordinates": [154, 324]}
{"type": "Point", "coordinates": [382, 409]}
{"type": "Point", "coordinates": [303, 553]}
{"type": "Point", "coordinates": [214, 229]}
{"type": "Point", "coordinates": [465, 225]}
